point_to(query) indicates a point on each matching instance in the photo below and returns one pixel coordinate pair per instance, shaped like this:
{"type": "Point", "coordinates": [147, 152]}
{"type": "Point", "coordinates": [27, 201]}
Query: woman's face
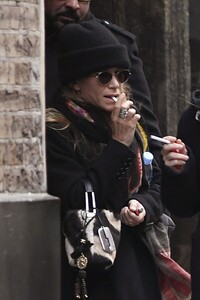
{"type": "Point", "coordinates": [100, 95]}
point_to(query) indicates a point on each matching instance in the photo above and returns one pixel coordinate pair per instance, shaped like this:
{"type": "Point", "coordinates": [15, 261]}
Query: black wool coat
{"type": "Point", "coordinates": [137, 81]}
{"type": "Point", "coordinates": [134, 274]}
{"type": "Point", "coordinates": [181, 192]}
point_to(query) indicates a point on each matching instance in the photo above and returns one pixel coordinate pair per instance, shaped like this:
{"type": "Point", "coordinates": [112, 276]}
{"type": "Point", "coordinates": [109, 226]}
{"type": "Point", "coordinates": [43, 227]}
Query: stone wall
{"type": "Point", "coordinates": [195, 43]}
{"type": "Point", "coordinates": [29, 217]}
{"type": "Point", "coordinates": [21, 128]}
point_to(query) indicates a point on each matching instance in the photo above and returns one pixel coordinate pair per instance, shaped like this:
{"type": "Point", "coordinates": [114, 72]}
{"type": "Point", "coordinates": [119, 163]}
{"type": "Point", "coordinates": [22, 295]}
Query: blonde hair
{"type": "Point", "coordinates": [53, 116]}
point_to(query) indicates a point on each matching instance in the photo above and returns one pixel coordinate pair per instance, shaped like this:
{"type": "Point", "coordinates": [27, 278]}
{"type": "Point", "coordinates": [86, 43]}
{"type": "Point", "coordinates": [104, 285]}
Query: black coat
{"type": "Point", "coordinates": [137, 81]}
{"type": "Point", "coordinates": [181, 192]}
{"type": "Point", "coordinates": [134, 274]}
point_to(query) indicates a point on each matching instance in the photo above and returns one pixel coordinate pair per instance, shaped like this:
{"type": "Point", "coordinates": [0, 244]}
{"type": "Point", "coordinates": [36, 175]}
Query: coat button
{"type": "Point", "coordinates": [106, 22]}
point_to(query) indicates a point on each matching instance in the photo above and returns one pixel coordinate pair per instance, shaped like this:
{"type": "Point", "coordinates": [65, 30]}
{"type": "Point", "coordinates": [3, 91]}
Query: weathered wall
{"type": "Point", "coordinates": [21, 139]}
{"type": "Point", "coordinates": [29, 218]}
{"type": "Point", "coordinates": [195, 43]}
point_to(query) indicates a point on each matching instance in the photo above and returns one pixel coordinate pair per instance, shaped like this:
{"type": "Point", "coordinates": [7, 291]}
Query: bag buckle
{"type": "Point", "coordinates": [90, 204]}
{"type": "Point", "coordinates": [106, 239]}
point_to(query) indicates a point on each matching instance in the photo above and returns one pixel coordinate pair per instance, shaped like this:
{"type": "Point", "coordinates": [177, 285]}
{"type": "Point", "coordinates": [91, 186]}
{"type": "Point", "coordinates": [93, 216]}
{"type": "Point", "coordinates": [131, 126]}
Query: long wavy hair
{"type": "Point", "coordinates": [87, 150]}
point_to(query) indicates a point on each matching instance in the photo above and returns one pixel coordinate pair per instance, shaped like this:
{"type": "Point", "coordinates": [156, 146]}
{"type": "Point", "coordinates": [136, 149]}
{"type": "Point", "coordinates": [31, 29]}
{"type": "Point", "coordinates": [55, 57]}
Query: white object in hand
{"type": "Point", "coordinates": [159, 139]}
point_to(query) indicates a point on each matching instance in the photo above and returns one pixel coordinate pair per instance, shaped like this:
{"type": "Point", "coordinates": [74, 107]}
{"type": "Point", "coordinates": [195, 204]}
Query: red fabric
{"type": "Point", "coordinates": [175, 281]}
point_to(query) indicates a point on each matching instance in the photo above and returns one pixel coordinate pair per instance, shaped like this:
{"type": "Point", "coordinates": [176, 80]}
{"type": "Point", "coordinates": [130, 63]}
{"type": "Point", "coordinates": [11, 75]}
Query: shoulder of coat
{"type": "Point", "coordinates": [118, 30]}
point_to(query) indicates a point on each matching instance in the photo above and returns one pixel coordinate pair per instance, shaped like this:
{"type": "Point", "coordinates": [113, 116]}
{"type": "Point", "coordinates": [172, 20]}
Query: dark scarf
{"type": "Point", "coordinates": [92, 121]}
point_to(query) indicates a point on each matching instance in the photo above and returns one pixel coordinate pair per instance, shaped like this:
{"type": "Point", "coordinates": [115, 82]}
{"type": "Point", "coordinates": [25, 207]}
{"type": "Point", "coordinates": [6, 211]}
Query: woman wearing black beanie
{"type": "Point", "coordinates": [94, 132]}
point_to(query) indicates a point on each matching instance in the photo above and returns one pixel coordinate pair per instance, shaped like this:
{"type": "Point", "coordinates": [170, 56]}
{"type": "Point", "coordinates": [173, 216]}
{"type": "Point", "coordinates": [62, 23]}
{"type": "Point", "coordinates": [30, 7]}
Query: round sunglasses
{"type": "Point", "coordinates": [105, 77]}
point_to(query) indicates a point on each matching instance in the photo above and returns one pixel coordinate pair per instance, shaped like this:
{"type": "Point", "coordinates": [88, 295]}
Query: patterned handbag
{"type": "Point", "coordinates": [91, 239]}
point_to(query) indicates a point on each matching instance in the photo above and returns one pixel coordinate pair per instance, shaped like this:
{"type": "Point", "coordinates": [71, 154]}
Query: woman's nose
{"type": "Point", "coordinates": [114, 82]}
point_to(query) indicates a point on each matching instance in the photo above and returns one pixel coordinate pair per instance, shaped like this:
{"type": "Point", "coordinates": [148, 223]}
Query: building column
{"type": "Point", "coordinates": [29, 217]}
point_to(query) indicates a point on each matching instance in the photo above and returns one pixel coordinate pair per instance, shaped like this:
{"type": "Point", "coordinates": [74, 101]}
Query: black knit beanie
{"type": "Point", "coordinates": [88, 47]}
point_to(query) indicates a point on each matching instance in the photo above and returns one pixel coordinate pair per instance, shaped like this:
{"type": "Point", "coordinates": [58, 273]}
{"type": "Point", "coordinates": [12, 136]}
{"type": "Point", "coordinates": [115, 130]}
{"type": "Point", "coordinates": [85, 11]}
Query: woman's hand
{"type": "Point", "coordinates": [124, 120]}
{"type": "Point", "coordinates": [133, 214]}
{"type": "Point", "coordinates": [174, 154]}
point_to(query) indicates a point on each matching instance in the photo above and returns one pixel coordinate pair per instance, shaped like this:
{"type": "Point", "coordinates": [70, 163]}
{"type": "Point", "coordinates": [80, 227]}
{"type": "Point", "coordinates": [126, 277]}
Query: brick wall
{"type": "Point", "coordinates": [29, 217]}
{"type": "Point", "coordinates": [22, 158]}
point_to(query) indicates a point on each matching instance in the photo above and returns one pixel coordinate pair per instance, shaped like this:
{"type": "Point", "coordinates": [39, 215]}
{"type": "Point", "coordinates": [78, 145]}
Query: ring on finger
{"type": "Point", "coordinates": [123, 113]}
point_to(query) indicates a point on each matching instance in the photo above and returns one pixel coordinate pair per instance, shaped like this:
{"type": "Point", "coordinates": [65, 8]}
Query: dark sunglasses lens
{"type": "Point", "coordinates": [123, 76]}
{"type": "Point", "coordinates": [105, 77]}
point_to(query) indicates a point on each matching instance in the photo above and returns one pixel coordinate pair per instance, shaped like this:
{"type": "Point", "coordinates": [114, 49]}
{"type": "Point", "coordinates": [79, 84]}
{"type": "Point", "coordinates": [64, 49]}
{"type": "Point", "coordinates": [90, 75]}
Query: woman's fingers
{"type": "Point", "coordinates": [133, 214]}
{"type": "Point", "coordinates": [124, 119]}
{"type": "Point", "coordinates": [174, 154]}
{"type": "Point", "coordinates": [170, 138]}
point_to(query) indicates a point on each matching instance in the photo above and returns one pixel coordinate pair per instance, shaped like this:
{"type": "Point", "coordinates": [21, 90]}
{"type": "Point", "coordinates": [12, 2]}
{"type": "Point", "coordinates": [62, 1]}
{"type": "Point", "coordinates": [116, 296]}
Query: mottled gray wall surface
{"type": "Point", "coordinates": [29, 248]}
{"type": "Point", "coordinates": [162, 30]}
{"type": "Point", "coordinates": [195, 42]}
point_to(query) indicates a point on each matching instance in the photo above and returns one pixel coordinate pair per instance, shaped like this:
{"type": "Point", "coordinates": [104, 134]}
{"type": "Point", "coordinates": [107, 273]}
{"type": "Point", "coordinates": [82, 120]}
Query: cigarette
{"type": "Point", "coordinates": [114, 99]}
{"type": "Point", "coordinates": [159, 139]}
{"type": "Point", "coordinates": [138, 211]}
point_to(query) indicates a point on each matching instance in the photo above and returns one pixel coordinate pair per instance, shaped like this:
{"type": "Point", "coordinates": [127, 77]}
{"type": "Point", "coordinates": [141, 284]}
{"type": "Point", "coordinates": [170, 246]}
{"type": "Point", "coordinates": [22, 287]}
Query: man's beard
{"type": "Point", "coordinates": [65, 17]}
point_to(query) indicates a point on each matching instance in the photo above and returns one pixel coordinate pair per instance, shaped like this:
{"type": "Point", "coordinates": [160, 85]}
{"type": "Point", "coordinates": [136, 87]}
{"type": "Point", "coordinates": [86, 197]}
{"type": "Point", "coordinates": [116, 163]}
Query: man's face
{"type": "Point", "coordinates": [64, 12]}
